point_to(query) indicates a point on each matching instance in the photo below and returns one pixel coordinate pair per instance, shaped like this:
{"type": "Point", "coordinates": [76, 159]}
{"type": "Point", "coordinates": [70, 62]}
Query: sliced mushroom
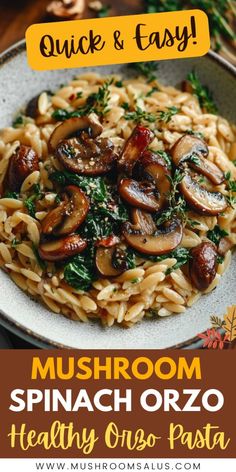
{"type": "Point", "coordinates": [140, 138]}
{"type": "Point", "coordinates": [225, 245]}
{"type": "Point", "coordinates": [103, 261]}
{"type": "Point", "coordinates": [139, 194]}
{"type": "Point", "coordinates": [202, 268]}
{"type": "Point", "coordinates": [190, 146]}
{"type": "Point", "coordinates": [187, 146]}
{"type": "Point", "coordinates": [159, 242]}
{"type": "Point", "coordinates": [66, 9]}
{"type": "Point", "coordinates": [200, 199]}
{"type": "Point", "coordinates": [61, 249]}
{"type": "Point", "coordinates": [142, 221]}
{"type": "Point", "coordinates": [156, 169]}
{"type": "Point", "coordinates": [87, 156]}
{"type": "Point", "coordinates": [74, 127]}
{"type": "Point", "coordinates": [69, 215]}
{"type": "Point", "coordinates": [23, 162]}
{"type": "Point", "coordinates": [32, 109]}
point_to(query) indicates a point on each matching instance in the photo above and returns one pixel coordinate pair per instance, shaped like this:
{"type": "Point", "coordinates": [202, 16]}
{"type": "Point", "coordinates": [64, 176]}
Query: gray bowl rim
{"type": "Point", "coordinates": [43, 342]}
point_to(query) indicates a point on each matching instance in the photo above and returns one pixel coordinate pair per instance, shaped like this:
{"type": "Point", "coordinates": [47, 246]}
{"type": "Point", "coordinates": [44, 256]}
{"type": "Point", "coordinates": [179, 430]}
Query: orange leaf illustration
{"type": "Point", "coordinates": [230, 323]}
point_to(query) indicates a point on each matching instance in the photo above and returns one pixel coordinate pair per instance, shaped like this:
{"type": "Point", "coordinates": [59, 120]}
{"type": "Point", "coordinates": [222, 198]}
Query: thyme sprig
{"type": "Point", "coordinates": [218, 13]}
{"type": "Point", "coordinates": [202, 93]}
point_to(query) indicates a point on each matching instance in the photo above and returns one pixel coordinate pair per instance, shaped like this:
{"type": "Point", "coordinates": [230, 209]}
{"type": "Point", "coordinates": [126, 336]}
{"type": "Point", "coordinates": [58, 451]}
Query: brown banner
{"type": "Point", "coordinates": [135, 381]}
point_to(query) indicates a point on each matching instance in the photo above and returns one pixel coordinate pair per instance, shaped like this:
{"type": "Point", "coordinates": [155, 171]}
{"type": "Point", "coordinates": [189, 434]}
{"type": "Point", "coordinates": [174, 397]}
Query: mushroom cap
{"type": "Point", "coordinates": [62, 248]}
{"type": "Point", "coordinates": [164, 240]}
{"type": "Point", "coordinates": [202, 267]}
{"type": "Point", "coordinates": [139, 194]}
{"type": "Point", "coordinates": [200, 199]}
{"type": "Point", "coordinates": [103, 260]}
{"type": "Point", "coordinates": [69, 214]}
{"type": "Point", "coordinates": [73, 126]}
{"type": "Point", "coordinates": [22, 163]}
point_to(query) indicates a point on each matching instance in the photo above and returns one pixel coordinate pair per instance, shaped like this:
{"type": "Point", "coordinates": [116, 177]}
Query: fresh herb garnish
{"type": "Point", "coordinates": [165, 156]}
{"type": "Point", "coordinates": [202, 93]}
{"type": "Point", "coordinates": [30, 202]}
{"type": "Point", "coordinates": [119, 83]}
{"type": "Point", "coordinates": [125, 105]}
{"type": "Point", "coordinates": [220, 259]}
{"type": "Point", "coordinates": [176, 204]}
{"type": "Point", "coordinates": [18, 121]}
{"type": "Point", "coordinates": [165, 116]}
{"type": "Point", "coordinates": [95, 102]}
{"type": "Point", "coordinates": [79, 95]}
{"type": "Point", "coordinates": [198, 134]}
{"type": "Point", "coordinates": [153, 90]}
{"type": "Point", "coordinates": [15, 242]}
{"type": "Point", "coordinates": [216, 234]}
{"type": "Point", "coordinates": [146, 69]}
{"type": "Point", "coordinates": [231, 187]}
{"type": "Point", "coordinates": [181, 254]}
{"type": "Point", "coordinates": [80, 272]}
{"type": "Point", "coordinates": [103, 12]}
{"type": "Point", "coordinates": [217, 12]}
{"type": "Point", "coordinates": [140, 116]}
{"type": "Point", "coordinates": [40, 261]}
{"type": "Point", "coordinates": [13, 195]}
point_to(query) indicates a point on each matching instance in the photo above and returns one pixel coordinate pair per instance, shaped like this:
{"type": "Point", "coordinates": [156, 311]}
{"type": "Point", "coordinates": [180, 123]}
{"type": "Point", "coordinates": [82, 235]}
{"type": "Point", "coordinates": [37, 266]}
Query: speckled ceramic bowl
{"type": "Point", "coordinates": [33, 321]}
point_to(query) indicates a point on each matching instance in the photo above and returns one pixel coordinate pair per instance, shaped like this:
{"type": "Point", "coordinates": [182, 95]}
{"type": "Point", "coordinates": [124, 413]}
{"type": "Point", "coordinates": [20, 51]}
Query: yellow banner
{"type": "Point", "coordinates": [117, 40]}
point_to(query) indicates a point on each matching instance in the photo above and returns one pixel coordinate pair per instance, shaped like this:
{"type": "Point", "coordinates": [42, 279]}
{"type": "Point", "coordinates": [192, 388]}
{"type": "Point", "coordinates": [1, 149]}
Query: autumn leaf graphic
{"type": "Point", "coordinates": [230, 323]}
{"type": "Point", "coordinates": [222, 331]}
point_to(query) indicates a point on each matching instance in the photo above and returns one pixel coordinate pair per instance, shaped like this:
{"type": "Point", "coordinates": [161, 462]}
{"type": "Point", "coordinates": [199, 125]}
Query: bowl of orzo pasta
{"type": "Point", "coordinates": [117, 201]}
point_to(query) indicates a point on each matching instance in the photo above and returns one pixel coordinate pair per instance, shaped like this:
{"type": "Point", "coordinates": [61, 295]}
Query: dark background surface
{"type": "Point", "coordinates": [17, 15]}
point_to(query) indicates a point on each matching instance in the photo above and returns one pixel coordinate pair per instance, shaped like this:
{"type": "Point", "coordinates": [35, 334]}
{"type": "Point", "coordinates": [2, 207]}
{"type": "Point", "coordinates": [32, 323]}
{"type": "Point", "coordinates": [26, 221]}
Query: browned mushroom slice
{"type": "Point", "coordinates": [187, 146]}
{"type": "Point", "coordinates": [142, 221]}
{"type": "Point", "coordinates": [32, 108]}
{"type": "Point", "coordinates": [190, 146]}
{"type": "Point", "coordinates": [103, 261]}
{"type": "Point", "coordinates": [73, 127]}
{"type": "Point", "coordinates": [202, 267]}
{"type": "Point", "coordinates": [69, 215]}
{"type": "Point", "coordinates": [156, 243]}
{"type": "Point", "coordinates": [139, 140]}
{"type": "Point", "coordinates": [23, 162]}
{"type": "Point", "coordinates": [76, 211]}
{"type": "Point", "coordinates": [155, 167]}
{"type": "Point", "coordinates": [139, 194]}
{"type": "Point", "coordinates": [86, 156]}
{"type": "Point", "coordinates": [200, 199]}
{"type": "Point", "coordinates": [61, 249]}
{"type": "Point", "coordinates": [54, 219]}
{"type": "Point", "coordinates": [225, 245]}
